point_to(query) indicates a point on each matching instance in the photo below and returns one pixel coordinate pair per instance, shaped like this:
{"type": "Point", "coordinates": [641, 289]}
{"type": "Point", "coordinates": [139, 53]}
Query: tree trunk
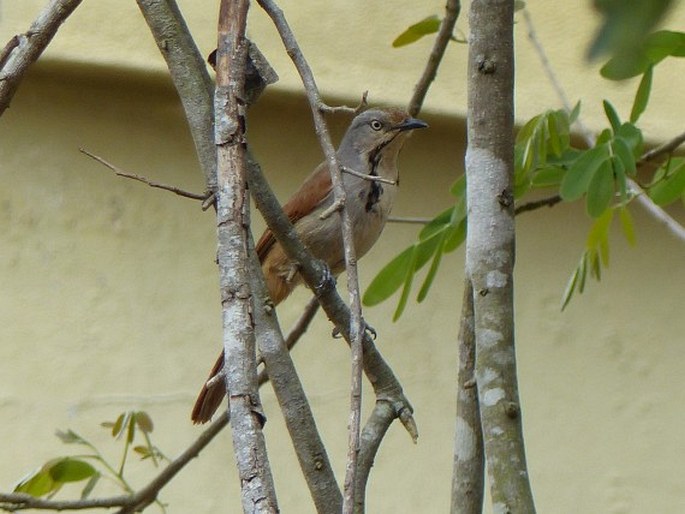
{"type": "Point", "coordinates": [490, 249]}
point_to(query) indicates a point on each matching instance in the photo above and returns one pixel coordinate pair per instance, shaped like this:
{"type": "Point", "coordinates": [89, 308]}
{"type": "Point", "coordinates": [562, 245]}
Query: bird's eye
{"type": "Point", "coordinates": [376, 125]}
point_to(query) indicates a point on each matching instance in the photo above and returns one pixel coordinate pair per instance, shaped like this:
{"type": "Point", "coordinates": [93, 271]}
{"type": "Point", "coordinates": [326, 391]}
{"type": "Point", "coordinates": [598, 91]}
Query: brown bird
{"type": "Point", "coordinates": [370, 147]}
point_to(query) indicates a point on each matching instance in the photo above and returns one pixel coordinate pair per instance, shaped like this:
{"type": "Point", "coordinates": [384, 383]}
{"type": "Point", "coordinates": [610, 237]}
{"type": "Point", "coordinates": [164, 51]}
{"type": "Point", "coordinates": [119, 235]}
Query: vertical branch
{"type": "Point", "coordinates": [356, 328]}
{"type": "Point", "coordinates": [467, 475]}
{"type": "Point", "coordinates": [257, 488]}
{"type": "Point", "coordinates": [24, 49]}
{"type": "Point", "coordinates": [490, 249]}
{"type": "Point", "coordinates": [189, 75]}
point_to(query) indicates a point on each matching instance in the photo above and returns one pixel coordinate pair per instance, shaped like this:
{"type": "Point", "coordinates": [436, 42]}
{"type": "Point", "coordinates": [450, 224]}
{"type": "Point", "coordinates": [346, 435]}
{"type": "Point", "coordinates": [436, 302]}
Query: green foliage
{"type": "Point", "coordinates": [669, 185]}
{"type": "Point", "coordinates": [413, 33]}
{"type": "Point", "coordinates": [443, 234]}
{"type": "Point", "coordinates": [654, 49]}
{"type": "Point", "coordinates": [625, 28]}
{"type": "Point", "coordinates": [51, 476]}
{"type": "Point", "coordinates": [544, 156]}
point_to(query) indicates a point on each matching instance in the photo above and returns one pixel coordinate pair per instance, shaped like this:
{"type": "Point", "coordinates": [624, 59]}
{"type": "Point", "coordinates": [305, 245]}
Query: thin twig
{"type": "Point", "coordinates": [452, 8]}
{"type": "Point", "coordinates": [664, 149]}
{"type": "Point", "coordinates": [362, 106]}
{"type": "Point", "coordinates": [366, 176]}
{"type": "Point", "coordinates": [189, 74]}
{"type": "Point", "coordinates": [121, 173]}
{"type": "Point", "coordinates": [356, 324]}
{"type": "Point", "coordinates": [409, 219]}
{"type": "Point", "coordinates": [550, 201]}
{"type": "Point", "coordinates": [674, 227]}
{"type": "Point", "coordinates": [23, 50]}
{"type": "Point", "coordinates": [129, 503]}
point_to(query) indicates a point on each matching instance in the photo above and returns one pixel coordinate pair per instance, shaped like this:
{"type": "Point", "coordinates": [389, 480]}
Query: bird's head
{"type": "Point", "coordinates": [375, 129]}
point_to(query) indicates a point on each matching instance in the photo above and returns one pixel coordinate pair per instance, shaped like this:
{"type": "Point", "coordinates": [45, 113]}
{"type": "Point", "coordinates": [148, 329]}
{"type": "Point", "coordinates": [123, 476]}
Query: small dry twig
{"type": "Point", "coordinates": [361, 107]}
{"type": "Point", "coordinates": [121, 173]}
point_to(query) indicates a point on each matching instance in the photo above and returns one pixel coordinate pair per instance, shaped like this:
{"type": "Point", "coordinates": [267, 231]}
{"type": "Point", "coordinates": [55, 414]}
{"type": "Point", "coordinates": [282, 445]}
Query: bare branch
{"type": "Point", "coordinates": [452, 8]}
{"type": "Point", "coordinates": [356, 325]}
{"type": "Point", "coordinates": [189, 75]}
{"type": "Point", "coordinates": [663, 150]}
{"type": "Point", "coordinates": [309, 448]}
{"type": "Point", "coordinates": [362, 106]}
{"type": "Point", "coordinates": [468, 468]}
{"type": "Point", "coordinates": [533, 205]}
{"type": "Point", "coordinates": [121, 173]}
{"type": "Point", "coordinates": [23, 50]}
{"type": "Point", "coordinates": [247, 418]}
{"type": "Point", "coordinates": [386, 386]}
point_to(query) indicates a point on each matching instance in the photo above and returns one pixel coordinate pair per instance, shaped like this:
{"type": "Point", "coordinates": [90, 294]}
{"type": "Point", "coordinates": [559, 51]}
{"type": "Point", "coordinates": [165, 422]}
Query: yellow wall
{"type": "Point", "coordinates": [109, 290]}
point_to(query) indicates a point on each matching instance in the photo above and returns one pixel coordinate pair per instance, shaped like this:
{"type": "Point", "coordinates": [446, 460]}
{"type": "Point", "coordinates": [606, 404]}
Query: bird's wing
{"type": "Point", "coordinates": [311, 193]}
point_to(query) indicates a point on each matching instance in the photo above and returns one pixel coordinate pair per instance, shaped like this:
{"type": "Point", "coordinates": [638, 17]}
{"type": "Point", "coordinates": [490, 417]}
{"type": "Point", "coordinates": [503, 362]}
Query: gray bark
{"type": "Point", "coordinates": [490, 250]}
{"type": "Point", "coordinates": [468, 473]}
{"type": "Point", "coordinates": [246, 416]}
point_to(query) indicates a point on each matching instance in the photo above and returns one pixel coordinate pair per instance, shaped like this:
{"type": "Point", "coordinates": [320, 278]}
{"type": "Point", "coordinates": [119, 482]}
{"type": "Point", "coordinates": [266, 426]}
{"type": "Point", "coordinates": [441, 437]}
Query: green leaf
{"type": "Point", "coordinates": [642, 96]}
{"type": "Point", "coordinates": [429, 25]}
{"type": "Point", "coordinates": [519, 4]}
{"type": "Point", "coordinates": [612, 115]}
{"type": "Point", "coordinates": [38, 483]}
{"type": "Point", "coordinates": [598, 238]}
{"type": "Point", "coordinates": [144, 421]}
{"type": "Point", "coordinates": [430, 276]}
{"type": "Point", "coordinates": [390, 278]}
{"type": "Point", "coordinates": [70, 437]}
{"type": "Point", "coordinates": [601, 190]}
{"type": "Point", "coordinates": [633, 138]}
{"type": "Point", "coordinates": [143, 451]}
{"type": "Point", "coordinates": [622, 151]}
{"type": "Point", "coordinates": [547, 177]}
{"type": "Point", "coordinates": [620, 174]}
{"type": "Point", "coordinates": [575, 112]}
{"type": "Point", "coordinates": [627, 224]}
{"type": "Point", "coordinates": [90, 485]}
{"type": "Point", "coordinates": [672, 187]}
{"type": "Point", "coordinates": [436, 224]}
{"type": "Point", "coordinates": [570, 288]}
{"type": "Point", "coordinates": [406, 288]}
{"type": "Point", "coordinates": [69, 469]}
{"type": "Point", "coordinates": [577, 180]}
{"type": "Point", "coordinates": [456, 235]}
{"type": "Point", "coordinates": [554, 137]}
{"type": "Point", "coordinates": [582, 272]}
{"type": "Point", "coordinates": [131, 432]}
{"type": "Point", "coordinates": [119, 424]}
{"type": "Point", "coordinates": [458, 189]}
{"type": "Point", "coordinates": [624, 67]}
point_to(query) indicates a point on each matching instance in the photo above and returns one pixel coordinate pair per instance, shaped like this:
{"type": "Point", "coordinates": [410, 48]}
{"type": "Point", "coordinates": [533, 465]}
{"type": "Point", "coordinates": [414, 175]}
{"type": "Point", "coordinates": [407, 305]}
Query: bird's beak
{"type": "Point", "coordinates": [410, 124]}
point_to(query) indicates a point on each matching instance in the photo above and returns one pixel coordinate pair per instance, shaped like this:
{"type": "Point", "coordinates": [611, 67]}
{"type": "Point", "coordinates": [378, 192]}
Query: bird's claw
{"type": "Point", "coordinates": [370, 331]}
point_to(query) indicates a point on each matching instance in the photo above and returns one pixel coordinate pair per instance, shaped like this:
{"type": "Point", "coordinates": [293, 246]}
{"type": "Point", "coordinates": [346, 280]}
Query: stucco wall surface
{"type": "Point", "coordinates": [348, 46]}
{"type": "Point", "coordinates": [108, 289]}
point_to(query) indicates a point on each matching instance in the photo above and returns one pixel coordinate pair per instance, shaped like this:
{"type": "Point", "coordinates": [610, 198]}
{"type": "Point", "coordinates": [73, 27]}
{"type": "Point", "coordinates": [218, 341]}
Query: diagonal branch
{"type": "Point", "coordinates": [23, 50]}
{"type": "Point", "coordinates": [189, 75]}
{"type": "Point", "coordinates": [356, 326]}
{"type": "Point", "coordinates": [452, 9]}
{"type": "Point", "coordinates": [280, 370]}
